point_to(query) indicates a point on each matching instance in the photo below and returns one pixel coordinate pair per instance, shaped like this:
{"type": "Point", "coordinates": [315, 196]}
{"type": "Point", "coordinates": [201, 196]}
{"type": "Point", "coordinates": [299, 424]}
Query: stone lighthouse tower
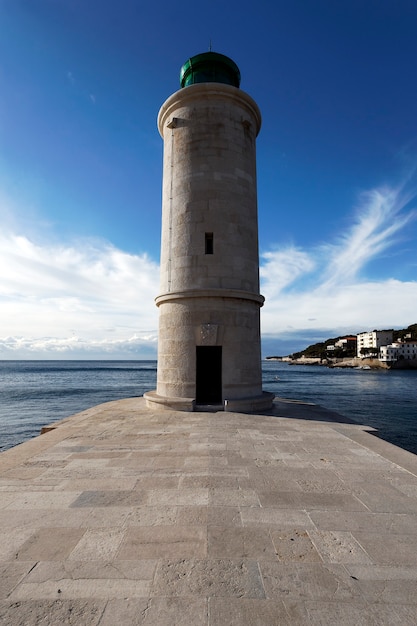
{"type": "Point", "coordinates": [209, 302]}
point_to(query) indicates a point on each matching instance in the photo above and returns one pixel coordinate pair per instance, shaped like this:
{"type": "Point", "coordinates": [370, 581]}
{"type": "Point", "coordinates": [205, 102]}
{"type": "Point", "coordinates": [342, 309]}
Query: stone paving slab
{"type": "Point", "coordinates": [126, 515]}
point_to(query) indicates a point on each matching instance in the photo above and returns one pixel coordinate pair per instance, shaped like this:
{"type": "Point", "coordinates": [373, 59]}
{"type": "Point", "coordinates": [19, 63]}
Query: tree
{"type": "Point", "coordinates": [369, 352]}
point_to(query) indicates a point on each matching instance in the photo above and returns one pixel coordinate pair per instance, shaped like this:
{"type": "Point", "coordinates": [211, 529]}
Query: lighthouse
{"type": "Point", "coordinates": [209, 353]}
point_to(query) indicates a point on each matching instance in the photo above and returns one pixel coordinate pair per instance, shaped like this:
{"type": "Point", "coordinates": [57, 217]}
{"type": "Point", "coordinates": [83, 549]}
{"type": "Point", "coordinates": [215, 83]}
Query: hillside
{"type": "Point", "coordinates": [319, 350]}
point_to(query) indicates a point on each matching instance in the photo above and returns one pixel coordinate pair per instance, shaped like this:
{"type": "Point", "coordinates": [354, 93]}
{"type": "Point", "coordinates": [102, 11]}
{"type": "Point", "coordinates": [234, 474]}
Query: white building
{"type": "Point", "coordinates": [346, 342]}
{"type": "Point", "coordinates": [373, 339]}
{"type": "Point", "coordinates": [397, 351]}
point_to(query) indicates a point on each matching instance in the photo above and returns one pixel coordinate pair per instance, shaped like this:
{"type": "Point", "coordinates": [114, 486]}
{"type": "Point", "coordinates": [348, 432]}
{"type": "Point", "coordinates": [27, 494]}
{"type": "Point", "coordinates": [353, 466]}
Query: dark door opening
{"type": "Point", "coordinates": [209, 375]}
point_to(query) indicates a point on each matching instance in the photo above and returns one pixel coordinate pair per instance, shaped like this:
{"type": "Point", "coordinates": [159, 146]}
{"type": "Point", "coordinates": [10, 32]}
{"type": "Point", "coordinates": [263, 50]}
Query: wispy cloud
{"type": "Point", "coordinates": [281, 268]}
{"type": "Point", "coordinates": [79, 88]}
{"type": "Point", "coordinates": [90, 299]}
{"type": "Point", "coordinates": [326, 288]}
{"type": "Point", "coordinates": [379, 217]}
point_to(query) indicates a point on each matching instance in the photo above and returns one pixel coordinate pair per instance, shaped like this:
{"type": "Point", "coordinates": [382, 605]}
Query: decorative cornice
{"type": "Point", "coordinates": [229, 294]}
{"type": "Point", "coordinates": [202, 91]}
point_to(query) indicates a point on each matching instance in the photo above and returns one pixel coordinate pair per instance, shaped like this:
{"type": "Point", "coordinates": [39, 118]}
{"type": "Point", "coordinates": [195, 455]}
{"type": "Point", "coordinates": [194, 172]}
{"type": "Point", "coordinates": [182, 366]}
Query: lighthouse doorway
{"type": "Point", "coordinates": [209, 375]}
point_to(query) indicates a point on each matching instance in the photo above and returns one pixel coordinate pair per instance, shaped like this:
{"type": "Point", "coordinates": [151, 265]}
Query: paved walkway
{"type": "Point", "coordinates": [122, 515]}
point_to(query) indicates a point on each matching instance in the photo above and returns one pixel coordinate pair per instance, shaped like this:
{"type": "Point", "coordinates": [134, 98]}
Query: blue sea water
{"type": "Point", "coordinates": [384, 399]}
{"type": "Point", "coordinates": [36, 393]}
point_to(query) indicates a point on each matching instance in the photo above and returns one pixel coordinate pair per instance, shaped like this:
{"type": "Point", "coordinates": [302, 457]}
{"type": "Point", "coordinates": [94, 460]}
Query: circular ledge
{"type": "Point", "coordinates": [234, 294]}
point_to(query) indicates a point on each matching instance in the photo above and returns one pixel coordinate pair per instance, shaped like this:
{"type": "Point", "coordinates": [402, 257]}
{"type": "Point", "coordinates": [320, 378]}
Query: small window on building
{"type": "Point", "coordinates": [209, 243]}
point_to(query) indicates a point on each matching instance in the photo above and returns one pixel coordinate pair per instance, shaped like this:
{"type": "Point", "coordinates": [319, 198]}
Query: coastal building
{"type": "Point", "coordinates": [370, 342]}
{"type": "Point", "coordinates": [397, 351]}
{"type": "Point", "coordinates": [346, 343]}
{"type": "Point", "coordinates": [209, 303]}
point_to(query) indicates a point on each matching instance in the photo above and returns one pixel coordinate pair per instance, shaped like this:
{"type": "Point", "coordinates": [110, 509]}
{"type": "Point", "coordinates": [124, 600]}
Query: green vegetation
{"type": "Point", "coordinates": [320, 350]}
{"type": "Point", "coordinates": [370, 352]}
{"type": "Point", "coordinates": [406, 333]}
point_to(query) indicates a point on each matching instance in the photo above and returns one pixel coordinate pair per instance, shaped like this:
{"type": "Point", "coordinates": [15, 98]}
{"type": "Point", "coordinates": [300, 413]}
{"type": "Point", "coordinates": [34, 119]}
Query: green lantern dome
{"type": "Point", "coordinates": [209, 67]}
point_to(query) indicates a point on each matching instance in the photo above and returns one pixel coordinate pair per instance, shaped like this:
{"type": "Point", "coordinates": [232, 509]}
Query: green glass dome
{"type": "Point", "coordinates": [209, 67]}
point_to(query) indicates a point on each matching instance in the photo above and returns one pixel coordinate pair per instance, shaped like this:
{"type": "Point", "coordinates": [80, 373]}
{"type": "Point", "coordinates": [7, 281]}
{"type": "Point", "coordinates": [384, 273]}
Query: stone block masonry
{"type": "Point", "coordinates": [209, 303]}
{"type": "Point", "coordinates": [125, 515]}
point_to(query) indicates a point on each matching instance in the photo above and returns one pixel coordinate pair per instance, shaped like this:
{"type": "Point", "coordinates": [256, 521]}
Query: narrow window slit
{"type": "Point", "coordinates": [209, 243]}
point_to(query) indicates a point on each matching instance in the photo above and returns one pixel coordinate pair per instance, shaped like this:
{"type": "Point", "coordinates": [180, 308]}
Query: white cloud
{"type": "Point", "coordinates": [84, 297]}
{"type": "Point", "coordinates": [379, 218]}
{"type": "Point", "coordinates": [326, 289]}
{"type": "Point", "coordinates": [89, 299]}
{"type": "Point", "coordinates": [354, 308]}
{"type": "Point", "coordinates": [281, 268]}
{"type": "Point", "coordinates": [143, 344]}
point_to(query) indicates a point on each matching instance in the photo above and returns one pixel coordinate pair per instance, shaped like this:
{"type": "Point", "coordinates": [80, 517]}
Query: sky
{"type": "Point", "coordinates": [81, 84]}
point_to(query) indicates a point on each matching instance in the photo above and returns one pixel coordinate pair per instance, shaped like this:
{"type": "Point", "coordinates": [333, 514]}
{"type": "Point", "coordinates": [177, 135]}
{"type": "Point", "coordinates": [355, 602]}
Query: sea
{"type": "Point", "coordinates": [34, 394]}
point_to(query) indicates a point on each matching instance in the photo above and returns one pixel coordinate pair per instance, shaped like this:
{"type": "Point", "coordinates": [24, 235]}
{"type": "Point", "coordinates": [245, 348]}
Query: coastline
{"type": "Point", "coordinates": [354, 363]}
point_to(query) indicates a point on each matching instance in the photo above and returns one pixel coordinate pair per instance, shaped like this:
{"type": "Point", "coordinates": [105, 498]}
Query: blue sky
{"type": "Point", "coordinates": [81, 84]}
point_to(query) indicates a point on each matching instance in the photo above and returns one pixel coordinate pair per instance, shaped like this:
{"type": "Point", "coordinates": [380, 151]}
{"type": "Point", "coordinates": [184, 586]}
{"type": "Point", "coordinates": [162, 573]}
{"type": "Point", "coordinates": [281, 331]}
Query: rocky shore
{"type": "Point", "coordinates": [356, 363]}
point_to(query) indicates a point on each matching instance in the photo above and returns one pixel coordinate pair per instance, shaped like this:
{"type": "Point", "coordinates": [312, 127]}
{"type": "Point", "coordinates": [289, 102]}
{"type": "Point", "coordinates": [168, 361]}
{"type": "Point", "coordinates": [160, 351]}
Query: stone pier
{"type": "Point", "coordinates": [124, 515]}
